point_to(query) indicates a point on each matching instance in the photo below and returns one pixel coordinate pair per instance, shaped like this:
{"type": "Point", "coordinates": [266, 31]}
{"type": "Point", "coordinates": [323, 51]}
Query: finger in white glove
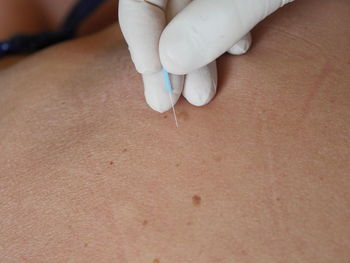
{"type": "Point", "coordinates": [206, 29]}
{"type": "Point", "coordinates": [200, 85]}
{"type": "Point", "coordinates": [155, 93]}
{"type": "Point", "coordinates": [242, 46]}
{"type": "Point", "coordinates": [201, 32]}
{"type": "Point", "coordinates": [142, 23]}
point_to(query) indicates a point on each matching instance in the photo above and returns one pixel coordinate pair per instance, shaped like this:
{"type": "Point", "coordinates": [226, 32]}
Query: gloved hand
{"type": "Point", "coordinates": [199, 32]}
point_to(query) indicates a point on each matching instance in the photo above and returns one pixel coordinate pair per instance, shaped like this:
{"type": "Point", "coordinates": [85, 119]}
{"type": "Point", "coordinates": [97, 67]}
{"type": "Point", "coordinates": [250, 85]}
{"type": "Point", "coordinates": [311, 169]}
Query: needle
{"type": "Point", "coordinates": [172, 105]}
{"type": "Point", "coordinates": [169, 89]}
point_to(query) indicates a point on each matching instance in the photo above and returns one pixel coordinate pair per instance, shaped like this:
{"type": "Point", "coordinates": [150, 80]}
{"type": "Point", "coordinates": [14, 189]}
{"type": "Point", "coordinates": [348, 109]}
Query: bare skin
{"type": "Point", "coordinates": [88, 173]}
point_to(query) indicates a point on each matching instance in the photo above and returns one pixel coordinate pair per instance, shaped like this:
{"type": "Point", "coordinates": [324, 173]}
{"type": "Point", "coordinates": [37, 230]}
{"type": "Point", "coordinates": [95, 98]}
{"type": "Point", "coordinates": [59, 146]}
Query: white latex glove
{"type": "Point", "coordinates": [198, 33]}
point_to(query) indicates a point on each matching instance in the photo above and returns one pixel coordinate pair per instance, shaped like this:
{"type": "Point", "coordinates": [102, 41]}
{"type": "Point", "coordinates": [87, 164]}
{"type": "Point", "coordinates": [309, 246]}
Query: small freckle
{"type": "Point", "coordinates": [111, 162]}
{"type": "Point", "coordinates": [189, 223]}
{"type": "Point", "coordinates": [177, 165]}
{"type": "Point", "coordinates": [278, 198]}
{"type": "Point", "coordinates": [86, 244]}
{"type": "Point", "coordinates": [124, 150]}
{"type": "Point", "coordinates": [156, 260]}
{"type": "Point", "coordinates": [196, 200]}
{"type": "Point", "coordinates": [244, 252]}
{"type": "Point", "coordinates": [165, 116]}
{"type": "Point", "coordinates": [321, 178]}
{"type": "Point", "coordinates": [145, 222]}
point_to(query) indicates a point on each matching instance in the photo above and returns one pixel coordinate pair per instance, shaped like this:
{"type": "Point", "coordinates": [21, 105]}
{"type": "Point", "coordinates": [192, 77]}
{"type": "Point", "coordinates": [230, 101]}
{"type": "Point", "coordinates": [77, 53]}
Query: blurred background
{"type": "Point", "coordinates": [27, 26]}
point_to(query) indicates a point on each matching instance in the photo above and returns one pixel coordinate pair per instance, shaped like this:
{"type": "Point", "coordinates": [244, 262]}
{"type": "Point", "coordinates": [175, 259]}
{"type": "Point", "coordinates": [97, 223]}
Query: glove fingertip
{"type": "Point", "coordinates": [200, 85]}
{"type": "Point", "coordinates": [242, 46]}
{"type": "Point", "coordinates": [155, 92]}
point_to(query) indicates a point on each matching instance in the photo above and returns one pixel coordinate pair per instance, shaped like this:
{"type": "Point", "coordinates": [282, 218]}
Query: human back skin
{"type": "Point", "coordinates": [88, 173]}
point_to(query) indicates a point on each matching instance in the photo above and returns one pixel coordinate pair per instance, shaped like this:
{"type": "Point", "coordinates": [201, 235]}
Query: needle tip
{"type": "Point", "coordinates": [174, 112]}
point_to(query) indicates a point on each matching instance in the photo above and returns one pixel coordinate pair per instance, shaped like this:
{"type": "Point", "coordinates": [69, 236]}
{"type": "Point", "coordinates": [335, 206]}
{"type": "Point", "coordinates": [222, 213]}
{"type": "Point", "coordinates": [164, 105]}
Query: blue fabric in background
{"type": "Point", "coordinates": [30, 43]}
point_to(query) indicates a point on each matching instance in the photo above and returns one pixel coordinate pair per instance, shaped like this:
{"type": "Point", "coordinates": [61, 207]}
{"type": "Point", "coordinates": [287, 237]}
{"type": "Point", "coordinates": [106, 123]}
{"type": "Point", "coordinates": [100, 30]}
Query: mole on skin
{"type": "Point", "coordinates": [156, 260]}
{"type": "Point", "coordinates": [196, 200]}
{"type": "Point", "coordinates": [145, 222]}
{"type": "Point", "coordinates": [111, 162]}
{"type": "Point", "coordinates": [124, 150]}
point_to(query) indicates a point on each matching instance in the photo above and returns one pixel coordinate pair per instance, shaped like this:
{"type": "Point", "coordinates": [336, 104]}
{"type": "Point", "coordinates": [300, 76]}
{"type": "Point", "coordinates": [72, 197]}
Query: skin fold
{"type": "Point", "coordinates": [88, 173]}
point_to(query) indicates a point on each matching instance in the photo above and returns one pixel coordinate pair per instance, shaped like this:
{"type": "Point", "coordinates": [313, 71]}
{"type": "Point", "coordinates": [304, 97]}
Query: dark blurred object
{"type": "Point", "coordinates": [31, 43]}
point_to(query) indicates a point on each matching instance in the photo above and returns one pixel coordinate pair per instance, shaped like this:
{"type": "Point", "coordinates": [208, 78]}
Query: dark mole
{"type": "Point", "coordinates": [124, 150]}
{"type": "Point", "coordinates": [156, 260]}
{"type": "Point", "coordinates": [111, 162]}
{"type": "Point", "coordinates": [86, 244]}
{"type": "Point", "coordinates": [165, 116]}
{"type": "Point", "coordinates": [196, 200]}
{"type": "Point", "coordinates": [145, 222]}
{"type": "Point", "coordinates": [278, 198]}
{"type": "Point", "coordinates": [177, 165]}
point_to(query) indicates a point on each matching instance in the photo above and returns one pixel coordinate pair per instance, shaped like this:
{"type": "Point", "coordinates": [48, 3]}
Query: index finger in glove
{"type": "Point", "coordinates": [142, 22]}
